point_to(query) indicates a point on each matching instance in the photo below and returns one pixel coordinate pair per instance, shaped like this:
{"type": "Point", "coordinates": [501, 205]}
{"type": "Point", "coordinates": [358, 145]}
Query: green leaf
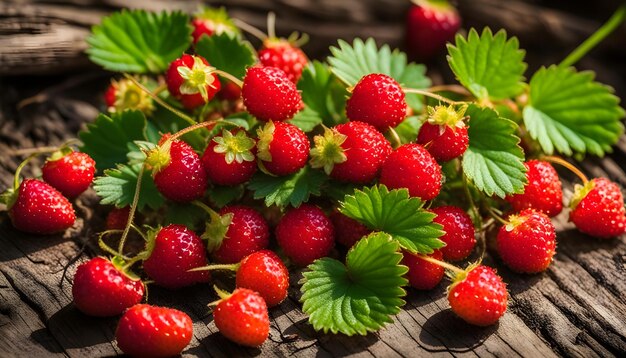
{"type": "Point", "coordinates": [227, 52]}
{"type": "Point", "coordinates": [307, 119]}
{"type": "Point", "coordinates": [568, 112]}
{"type": "Point", "coordinates": [138, 41]}
{"type": "Point", "coordinates": [291, 190]}
{"type": "Point", "coordinates": [491, 67]}
{"type": "Point", "coordinates": [109, 139]}
{"type": "Point", "coordinates": [221, 196]}
{"type": "Point", "coordinates": [397, 214]}
{"type": "Point", "coordinates": [494, 161]}
{"type": "Point", "coordinates": [117, 187]}
{"type": "Point", "coordinates": [185, 214]}
{"type": "Point", "coordinates": [164, 121]}
{"type": "Point", "coordinates": [408, 129]}
{"type": "Point", "coordinates": [323, 95]}
{"type": "Point", "coordinates": [358, 297]}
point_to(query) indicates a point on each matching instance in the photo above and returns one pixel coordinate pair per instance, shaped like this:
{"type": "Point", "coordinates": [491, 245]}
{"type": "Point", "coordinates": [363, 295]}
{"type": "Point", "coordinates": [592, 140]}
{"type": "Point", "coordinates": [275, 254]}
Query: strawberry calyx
{"type": "Point", "coordinates": [9, 196]}
{"type": "Point", "coordinates": [216, 228]}
{"type": "Point", "coordinates": [217, 20]}
{"type": "Point", "coordinates": [580, 192]}
{"type": "Point", "coordinates": [123, 266]}
{"type": "Point", "coordinates": [514, 221]}
{"type": "Point", "coordinates": [436, 5]}
{"type": "Point", "coordinates": [328, 150]}
{"type": "Point", "coordinates": [159, 158]}
{"type": "Point", "coordinates": [446, 116]}
{"type": "Point", "coordinates": [59, 154]}
{"type": "Point", "coordinates": [197, 78]}
{"type": "Point", "coordinates": [265, 135]}
{"type": "Point", "coordinates": [458, 276]}
{"type": "Point", "coordinates": [236, 148]}
{"type": "Point", "coordinates": [150, 239]}
{"type": "Point", "coordinates": [129, 95]}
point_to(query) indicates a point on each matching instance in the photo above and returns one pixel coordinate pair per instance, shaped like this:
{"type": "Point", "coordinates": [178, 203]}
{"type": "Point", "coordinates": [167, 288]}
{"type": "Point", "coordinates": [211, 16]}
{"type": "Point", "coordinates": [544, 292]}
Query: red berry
{"type": "Point", "coordinates": [242, 317]}
{"type": "Point", "coordinates": [190, 79]}
{"type": "Point", "coordinates": [172, 252]}
{"type": "Point", "coordinates": [269, 94]}
{"type": "Point", "coordinates": [265, 273]}
{"type": "Point", "coordinates": [102, 289]}
{"type": "Point", "coordinates": [598, 209]}
{"type": "Point", "coordinates": [305, 234]}
{"type": "Point", "coordinates": [124, 94]}
{"type": "Point", "coordinates": [229, 91]}
{"type": "Point", "coordinates": [38, 208]}
{"type": "Point", "coordinates": [110, 95]}
{"type": "Point", "coordinates": [282, 54]}
{"type": "Point", "coordinates": [479, 296]}
{"type": "Point", "coordinates": [230, 158]}
{"type": "Point", "coordinates": [248, 232]}
{"type": "Point", "coordinates": [443, 142]}
{"type": "Point", "coordinates": [71, 174]}
{"type": "Point", "coordinates": [411, 166]}
{"type": "Point", "coordinates": [423, 275]}
{"type": "Point", "coordinates": [283, 148]}
{"type": "Point", "coordinates": [429, 25]}
{"type": "Point", "coordinates": [347, 230]}
{"type": "Point", "coordinates": [459, 236]}
{"type": "Point", "coordinates": [378, 100]}
{"type": "Point", "coordinates": [543, 191]}
{"type": "Point", "coordinates": [117, 218]}
{"type": "Point", "coordinates": [150, 331]}
{"type": "Point", "coordinates": [209, 21]}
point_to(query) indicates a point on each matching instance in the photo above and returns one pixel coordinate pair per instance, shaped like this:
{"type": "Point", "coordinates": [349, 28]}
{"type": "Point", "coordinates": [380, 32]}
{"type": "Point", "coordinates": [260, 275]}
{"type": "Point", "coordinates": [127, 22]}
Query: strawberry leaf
{"type": "Point", "coordinates": [227, 52]}
{"type": "Point", "coordinates": [408, 129]}
{"type": "Point", "coordinates": [568, 112]}
{"type": "Point", "coordinates": [117, 187]}
{"type": "Point", "coordinates": [306, 119]}
{"type": "Point", "coordinates": [293, 189]}
{"type": "Point", "coordinates": [138, 41]}
{"type": "Point", "coordinates": [491, 67]}
{"type": "Point", "coordinates": [189, 215]}
{"type": "Point", "coordinates": [397, 214]}
{"type": "Point", "coordinates": [360, 296]}
{"type": "Point", "coordinates": [494, 161]}
{"type": "Point", "coordinates": [221, 196]}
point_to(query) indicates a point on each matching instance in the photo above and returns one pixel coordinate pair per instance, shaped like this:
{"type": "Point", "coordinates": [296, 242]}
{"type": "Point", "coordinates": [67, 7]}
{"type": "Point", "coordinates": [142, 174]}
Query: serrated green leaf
{"type": "Point", "coordinates": [567, 111]}
{"type": "Point", "coordinates": [138, 41]}
{"type": "Point", "coordinates": [408, 129]}
{"type": "Point", "coordinates": [323, 95]}
{"type": "Point", "coordinates": [494, 161]}
{"type": "Point", "coordinates": [221, 196]}
{"type": "Point", "coordinates": [396, 213]}
{"type": "Point", "coordinates": [489, 66]}
{"type": "Point", "coordinates": [306, 119]}
{"type": "Point", "coordinates": [293, 189]}
{"type": "Point", "coordinates": [358, 297]}
{"type": "Point", "coordinates": [117, 187]}
{"type": "Point", "coordinates": [227, 52]}
{"type": "Point", "coordinates": [108, 140]}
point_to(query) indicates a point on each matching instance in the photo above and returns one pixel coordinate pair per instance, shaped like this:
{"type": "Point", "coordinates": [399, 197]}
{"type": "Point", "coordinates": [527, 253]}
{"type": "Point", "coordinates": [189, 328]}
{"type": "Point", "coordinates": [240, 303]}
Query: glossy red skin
{"type": "Point", "coordinates": [422, 274]}
{"type": "Point", "coordinates": [428, 29]}
{"type": "Point", "coordinates": [459, 236]}
{"type": "Point", "coordinates": [529, 246]}
{"type": "Point", "coordinates": [450, 144]}
{"type": "Point", "coordinates": [289, 149]}
{"type": "Point", "coordinates": [347, 230]}
{"type": "Point", "coordinates": [305, 234]}
{"type": "Point", "coordinates": [174, 81]}
{"type": "Point", "coordinates": [268, 94]}
{"type": "Point", "coordinates": [41, 209]}
{"type": "Point", "coordinates": [365, 148]}
{"type": "Point", "coordinates": [411, 166]}
{"type": "Point", "coordinates": [176, 251]}
{"type": "Point", "coordinates": [184, 179]}
{"type": "Point", "coordinates": [481, 298]}
{"type": "Point", "coordinates": [378, 100]}
{"type": "Point", "coordinates": [285, 56]}
{"type": "Point", "coordinates": [222, 173]}
{"type": "Point", "coordinates": [117, 218]}
{"type": "Point", "coordinates": [229, 91]}
{"type": "Point", "coordinates": [264, 273]}
{"type": "Point", "coordinates": [601, 212]}
{"type": "Point", "coordinates": [243, 318]}
{"type": "Point", "coordinates": [71, 174]}
{"type": "Point", "coordinates": [150, 331]}
{"type": "Point", "coordinates": [543, 191]}
{"type": "Point", "coordinates": [101, 290]}
{"type": "Point", "coordinates": [247, 233]}
{"type": "Point", "coordinates": [110, 96]}
{"type": "Point", "coordinates": [201, 27]}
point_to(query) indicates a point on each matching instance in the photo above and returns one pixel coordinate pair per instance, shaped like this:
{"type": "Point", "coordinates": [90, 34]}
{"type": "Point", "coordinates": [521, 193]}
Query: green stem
{"type": "Point", "coordinates": [131, 213]}
{"type": "Point", "coordinates": [230, 77]}
{"type": "Point", "coordinates": [470, 198]}
{"type": "Point", "coordinates": [106, 248]}
{"type": "Point", "coordinates": [618, 17]}
{"type": "Point", "coordinates": [204, 207]}
{"type": "Point", "coordinates": [442, 264]}
{"type": "Point", "coordinates": [496, 216]}
{"type": "Point", "coordinates": [432, 95]}
{"type": "Point", "coordinates": [229, 267]}
{"type": "Point", "coordinates": [18, 171]}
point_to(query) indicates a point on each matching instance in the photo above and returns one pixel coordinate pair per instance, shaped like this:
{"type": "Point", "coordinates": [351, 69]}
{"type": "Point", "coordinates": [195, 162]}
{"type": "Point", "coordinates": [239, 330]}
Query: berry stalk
{"type": "Point", "coordinates": [443, 264]}
{"type": "Point", "coordinates": [433, 95]}
{"type": "Point", "coordinates": [568, 165]}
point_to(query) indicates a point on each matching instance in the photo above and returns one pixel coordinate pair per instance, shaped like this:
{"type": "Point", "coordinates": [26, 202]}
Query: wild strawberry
{"type": "Point", "coordinates": [459, 236]}
{"type": "Point", "coordinates": [117, 218]}
{"type": "Point", "coordinates": [543, 191]}
{"type": "Point", "coordinates": [209, 21]}
{"type": "Point", "coordinates": [283, 148]}
{"type": "Point", "coordinates": [444, 133]}
{"type": "Point", "coordinates": [285, 55]}
{"type": "Point", "coordinates": [242, 317]}
{"type": "Point", "coordinates": [151, 331]}
{"type": "Point", "coordinates": [178, 171]}
{"type": "Point", "coordinates": [124, 94]}
{"type": "Point", "coordinates": [378, 100]}
{"type": "Point", "coordinates": [423, 275]}
{"type": "Point", "coordinates": [269, 94]}
{"type": "Point", "coordinates": [192, 80]}
{"type": "Point", "coordinates": [305, 234]}
{"type": "Point", "coordinates": [229, 91]}
{"type": "Point", "coordinates": [598, 209]}
{"type": "Point", "coordinates": [230, 158]}
{"type": "Point", "coordinates": [478, 296]}
{"type": "Point", "coordinates": [429, 25]}
{"type": "Point", "coordinates": [411, 166]}
{"type": "Point", "coordinates": [352, 152]}
{"type": "Point", "coordinates": [265, 273]}
{"type": "Point", "coordinates": [170, 253]}
{"type": "Point", "coordinates": [236, 232]}
{"type": "Point", "coordinates": [347, 230]}
{"type": "Point", "coordinates": [38, 208]}
{"type": "Point", "coordinates": [69, 172]}
{"type": "Point", "coordinates": [103, 288]}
